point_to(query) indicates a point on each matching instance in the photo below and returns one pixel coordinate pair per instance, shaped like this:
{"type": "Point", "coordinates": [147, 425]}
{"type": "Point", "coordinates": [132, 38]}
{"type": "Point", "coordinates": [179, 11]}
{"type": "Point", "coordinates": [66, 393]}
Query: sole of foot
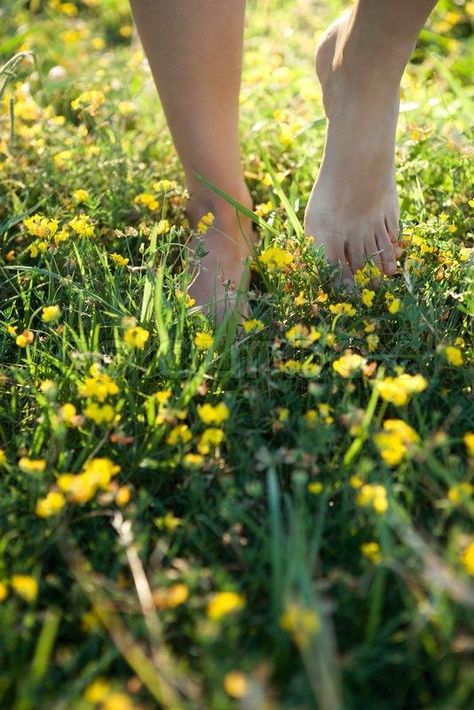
{"type": "Point", "coordinates": [353, 209]}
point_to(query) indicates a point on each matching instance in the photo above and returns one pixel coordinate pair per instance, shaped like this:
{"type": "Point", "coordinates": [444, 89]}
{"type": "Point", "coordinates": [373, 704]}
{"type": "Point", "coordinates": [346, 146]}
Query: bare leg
{"type": "Point", "coordinates": [195, 53]}
{"type": "Point", "coordinates": [353, 209]}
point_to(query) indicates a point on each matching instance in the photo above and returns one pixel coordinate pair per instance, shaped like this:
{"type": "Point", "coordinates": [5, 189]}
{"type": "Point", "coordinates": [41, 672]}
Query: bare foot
{"type": "Point", "coordinates": [353, 208]}
{"type": "Point", "coordinates": [218, 258]}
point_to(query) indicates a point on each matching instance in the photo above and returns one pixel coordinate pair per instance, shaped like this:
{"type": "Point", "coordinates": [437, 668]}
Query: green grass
{"type": "Point", "coordinates": [125, 588]}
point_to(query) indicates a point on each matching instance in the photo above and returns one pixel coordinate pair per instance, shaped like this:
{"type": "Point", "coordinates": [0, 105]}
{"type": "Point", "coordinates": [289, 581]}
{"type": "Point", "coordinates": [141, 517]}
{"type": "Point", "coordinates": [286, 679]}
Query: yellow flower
{"type": "Point", "coordinates": [467, 558]}
{"type": "Point", "coordinates": [211, 437]}
{"type": "Point", "coordinates": [26, 338]}
{"type": "Point", "coordinates": [348, 364]}
{"type": "Point", "coordinates": [179, 433]}
{"type": "Point", "coordinates": [301, 337]}
{"type": "Point", "coordinates": [119, 259]}
{"type": "Point", "coordinates": [136, 337]}
{"type": "Point", "coordinates": [80, 196]}
{"type": "Point", "coordinates": [373, 495]}
{"type": "Point", "coordinates": [372, 342]}
{"type": "Point", "coordinates": [117, 701]}
{"type": "Point", "coordinates": [164, 185]}
{"type": "Point", "coordinates": [163, 226]}
{"type": "Point", "coordinates": [3, 591]}
{"type": "Point", "coordinates": [275, 258]}
{"type": "Point", "coordinates": [398, 390]}
{"type": "Point", "coordinates": [460, 492]}
{"type": "Point", "coordinates": [32, 465]}
{"type": "Point", "coordinates": [193, 460]}
{"type": "Point", "coordinates": [372, 551]}
{"type": "Point", "coordinates": [99, 385]}
{"type": "Point", "coordinates": [342, 308]}
{"type": "Point", "coordinates": [97, 691]}
{"type": "Point", "coordinates": [104, 414]}
{"type": "Point", "coordinates": [315, 487]}
{"type": "Point", "coordinates": [235, 684]}
{"type": "Point", "coordinates": [40, 226]}
{"type": "Point", "coordinates": [213, 415]}
{"type": "Point", "coordinates": [468, 439]}
{"type": "Point", "coordinates": [454, 356]}
{"type": "Point", "coordinates": [51, 505]}
{"type": "Point", "coordinates": [224, 603]}
{"type": "Point", "coordinates": [311, 418]}
{"type": "Point", "coordinates": [203, 341]}
{"type": "Point", "coordinates": [301, 622]}
{"type": "Point", "coordinates": [368, 297]}
{"type": "Point", "coordinates": [99, 471]}
{"type": "Point", "coordinates": [162, 396]}
{"type": "Point", "coordinates": [147, 200]}
{"type": "Point", "coordinates": [50, 313]}
{"type": "Point", "coordinates": [205, 223]}
{"type": "Point", "coordinates": [168, 522]}
{"type": "Point", "coordinates": [263, 208]}
{"type": "Point", "coordinates": [393, 304]}
{"type": "Point", "coordinates": [123, 496]}
{"type": "Point", "coordinates": [25, 586]}
{"type": "Point", "coordinates": [89, 101]}
{"type": "Point", "coordinates": [395, 440]}
{"type": "Point", "coordinates": [321, 296]}
{"type": "Point", "coordinates": [82, 225]}
{"type": "Point", "coordinates": [171, 597]}
{"type": "Point", "coordinates": [254, 324]}
{"type": "Point", "coordinates": [68, 413]}
{"type": "Point", "coordinates": [300, 299]}
{"type": "Point", "coordinates": [3, 457]}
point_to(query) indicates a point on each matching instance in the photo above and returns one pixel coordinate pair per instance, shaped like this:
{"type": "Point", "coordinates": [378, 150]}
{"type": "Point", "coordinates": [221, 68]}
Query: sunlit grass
{"type": "Point", "coordinates": [278, 513]}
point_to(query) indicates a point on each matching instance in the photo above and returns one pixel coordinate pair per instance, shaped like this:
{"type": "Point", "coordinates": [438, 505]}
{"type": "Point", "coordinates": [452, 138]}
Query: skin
{"type": "Point", "coordinates": [195, 53]}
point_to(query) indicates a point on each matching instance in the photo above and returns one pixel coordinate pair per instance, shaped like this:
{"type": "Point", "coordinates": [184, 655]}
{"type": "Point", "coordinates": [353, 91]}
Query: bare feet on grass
{"type": "Point", "coordinates": [218, 253]}
{"type": "Point", "coordinates": [353, 208]}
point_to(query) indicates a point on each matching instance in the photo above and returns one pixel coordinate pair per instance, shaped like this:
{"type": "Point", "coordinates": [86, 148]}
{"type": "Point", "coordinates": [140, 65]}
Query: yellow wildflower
{"type": "Point", "coordinates": [398, 390]}
{"type": "Point", "coordinates": [275, 258]}
{"type": "Point", "coordinates": [315, 487]}
{"type": "Point", "coordinates": [224, 603]}
{"type": "Point", "coordinates": [468, 439]}
{"type": "Point", "coordinates": [81, 195]}
{"type": "Point", "coordinates": [263, 208]}
{"type": "Point", "coordinates": [162, 396]}
{"type": "Point", "coordinates": [235, 684]}
{"type": "Point", "coordinates": [193, 460]}
{"type": "Point", "coordinates": [368, 297]}
{"type": "Point", "coordinates": [209, 438]}
{"type": "Point", "coordinates": [460, 492]}
{"type": "Point", "coordinates": [163, 226]}
{"type": "Point", "coordinates": [348, 364]}
{"type": "Point", "coordinates": [311, 418]}
{"type": "Point", "coordinates": [99, 385]}
{"type": "Point", "coordinates": [68, 413]}
{"type": "Point", "coordinates": [179, 433]}
{"type": "Point", "coordinates": [467, 558]}
{"type": "Point", "coordinates": [395, 440]}
{"type": "Point", "coordinates": [26, 338]}
{"type": "Point", "coordinates": [136, 337]}
{"type": "Point", "coordinates": [372, 551]}
{"type": "Point", "coordinates": [171, 597]}
{"type": "Point", "coordinates": [28, 465]}
{"type": "Point", "coordinates": [373, 495]}
{"type": "Point", "coordinates": [253, 325]}
{"type": "Point", "coordinates": [40, 226]}
{"type": "Point", "coordinates": [372, 342]}
{"type": "Point", "coordinates": [104, 414]}
{"type": "Point", "coordinates": [342, 308]}
{"type": "Point", "coordinates": [89, 101]}
{"type": "Point", "coordinates": [25, 586]}
{"type": "Point", "coordinates": [3, 457]}
{"type": "Point", "coordinates": [393, 304]}
{"type": "Point", "coordinates": [213, 415]}
{"type": "Point", "coordinates": [454, 356]}
{"type": "Point", "coordinates": [3, 591]}
{"type": "Point", "coordinates": [50, 313]}
{"type": "Point", "coordinates": [52, 504]}
{"type": "Point", "coordinates": [301, 622]}
{"type": "Point", "coordinates": [119, 259]}
{"type": "Point", "coordinates": [147, 200]}
{"type": "Point", "coordinates": [205, 223]}
{"type": "Point", "coordinates": [97, 691]}
{"type": "Point", "coordinates": [82, 225]}
{"type": "Point", "coordinates": [301, 337]}
{"type": "Point", "coordinates": [164, 185]}
{"type": "Point", "coordinates": [123, 496]}
{"type": "Point", "coordinates": [203, 340]}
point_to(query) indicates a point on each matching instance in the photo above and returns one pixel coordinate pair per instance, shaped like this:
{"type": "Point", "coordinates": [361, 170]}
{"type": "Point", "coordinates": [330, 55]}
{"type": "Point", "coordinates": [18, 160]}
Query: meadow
{"type": "Point", "coordinates": [270, 514]}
